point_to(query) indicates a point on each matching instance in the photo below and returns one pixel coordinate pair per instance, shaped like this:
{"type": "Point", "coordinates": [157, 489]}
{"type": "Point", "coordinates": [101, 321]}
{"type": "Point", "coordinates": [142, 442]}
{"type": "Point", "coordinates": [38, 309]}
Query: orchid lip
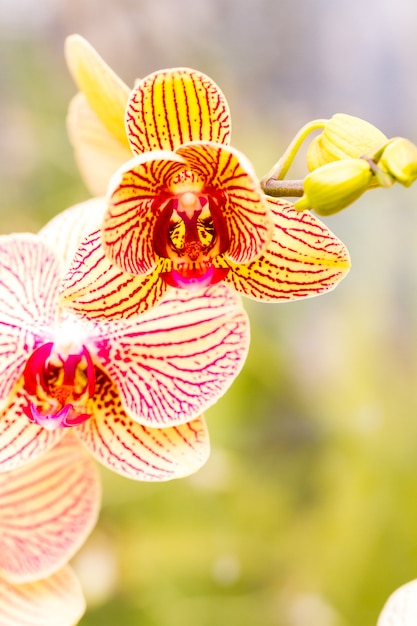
{"type": "Point", "coordinates": [58, 384]}
{"type": "Point", "coordinates": [194, 279]}
{"type": "Point", "coordinates": [190, 232]}
{"type": "Point", "coordinates": [64, 418]}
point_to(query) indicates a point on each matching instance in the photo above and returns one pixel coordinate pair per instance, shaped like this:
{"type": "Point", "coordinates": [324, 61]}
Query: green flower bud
{"type": "Point", "coordinates": [399, 159]}
{"type": "Point", "coordinates": [334, 186]}
{"type": "Point", "coordinates": [343, 136]}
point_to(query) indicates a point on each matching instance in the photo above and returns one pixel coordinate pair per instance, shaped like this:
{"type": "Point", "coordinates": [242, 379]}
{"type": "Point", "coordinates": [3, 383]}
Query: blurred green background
{"type": "Point", "coordinates": [306, 512]}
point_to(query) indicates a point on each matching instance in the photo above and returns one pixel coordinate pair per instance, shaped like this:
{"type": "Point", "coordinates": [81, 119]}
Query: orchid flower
{"type": "Point", "coordinates": [47, 510]}
{"type": "Point", "coordinates": [186, 210]}
{"type": "Point", "coordinates": [131, 391]}
{"type": "Point", "coordinates": [401, 607]}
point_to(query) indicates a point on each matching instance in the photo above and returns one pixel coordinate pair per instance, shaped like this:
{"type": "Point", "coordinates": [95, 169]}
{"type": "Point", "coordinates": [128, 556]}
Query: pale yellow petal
{"type": "Point", "coordinates": [97, 152]}
{"type": "Point", "coordinates": [303, 259]}
{"type": "Point", "coordinates": [47, 510]}
{"type": "Point", "coordinates": [106, 93]}
{"type": "Point", "coordinates": [54, 601]}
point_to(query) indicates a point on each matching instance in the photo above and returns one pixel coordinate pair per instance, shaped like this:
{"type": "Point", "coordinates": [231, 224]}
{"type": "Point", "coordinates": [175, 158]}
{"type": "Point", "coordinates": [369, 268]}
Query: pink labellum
{"type": "Point", "coordinates": [59, 384]}
{"type": "Point", "coordinates": [194, 279]}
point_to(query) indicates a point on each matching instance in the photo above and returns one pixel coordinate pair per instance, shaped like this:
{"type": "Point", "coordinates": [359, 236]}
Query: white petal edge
{"type": "Point", "coordinates": [401, 607]}
{"type": "Point", "coordinates": [55, 601]}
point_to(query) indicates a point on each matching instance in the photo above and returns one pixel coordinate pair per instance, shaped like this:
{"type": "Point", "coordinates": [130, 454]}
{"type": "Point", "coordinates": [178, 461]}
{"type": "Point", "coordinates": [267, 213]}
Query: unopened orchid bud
{"type": "Point", "coordinates": [343, 136]}
{"type": "Point", "coordinates": [399, 159]}
{"type": "Point", "coordinates": [334, 186]}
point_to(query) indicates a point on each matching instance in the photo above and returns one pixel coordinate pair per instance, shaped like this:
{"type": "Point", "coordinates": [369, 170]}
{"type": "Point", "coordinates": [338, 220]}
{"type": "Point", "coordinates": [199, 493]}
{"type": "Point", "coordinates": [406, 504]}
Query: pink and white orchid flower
{"type": "Point", "coordinates": [131, 391]}
{"type": "Point", "coordinates": [186, 210]}
{"type": "Point", "coordinates": [47, 510]}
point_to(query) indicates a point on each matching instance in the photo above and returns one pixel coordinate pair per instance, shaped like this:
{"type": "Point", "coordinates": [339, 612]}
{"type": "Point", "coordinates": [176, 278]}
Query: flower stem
{"type": "Point", "coordinates": [282, 166]}
{"type": "Point", "coordinates": [282, 188]}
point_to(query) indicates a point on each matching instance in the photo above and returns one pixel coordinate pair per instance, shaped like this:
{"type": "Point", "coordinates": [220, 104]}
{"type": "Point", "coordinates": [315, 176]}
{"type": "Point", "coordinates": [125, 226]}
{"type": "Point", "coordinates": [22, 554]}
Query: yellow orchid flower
{"type": "Point", "coordinates": [187, 210]}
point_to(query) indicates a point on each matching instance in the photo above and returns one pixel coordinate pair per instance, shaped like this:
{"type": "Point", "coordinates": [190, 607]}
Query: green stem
{"type": "Point", "coordinates": [282, 166]}
{"type": "Point", "coordinates": [282, 188]}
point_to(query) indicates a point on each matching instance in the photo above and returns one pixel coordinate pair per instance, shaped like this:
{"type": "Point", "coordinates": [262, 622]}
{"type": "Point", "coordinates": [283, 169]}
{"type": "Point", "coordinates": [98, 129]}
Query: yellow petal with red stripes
{"type": "Point", "coordinates": [304, 259]}
{"type": "Point", "coordinates": [228, 176]}
{"type": "Point", "coordinates": [137, 194]}
{"type": "Point", "coordinates": [174, 106]}
{"type": "Point", "coordinates": [96, 289]}
{"type": "Point", "coordinates": [140, 452]}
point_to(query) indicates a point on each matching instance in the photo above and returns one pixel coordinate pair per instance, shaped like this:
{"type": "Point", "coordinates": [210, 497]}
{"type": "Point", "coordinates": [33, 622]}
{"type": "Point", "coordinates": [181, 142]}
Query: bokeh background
{"type": "Point", "coordinates": [306, 512]}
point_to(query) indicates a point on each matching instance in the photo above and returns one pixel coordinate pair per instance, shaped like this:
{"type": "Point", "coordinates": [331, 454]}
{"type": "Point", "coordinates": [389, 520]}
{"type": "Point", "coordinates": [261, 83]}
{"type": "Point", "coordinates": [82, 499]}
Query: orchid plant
{"type": "Point", "coordinates": [125, 336]}
{"type": "Point", "coordinates": [185, 209]}
{"type": "Point", "coordinates": [47, 510]}
{"type": "Point", "coordinates": [133, 392]}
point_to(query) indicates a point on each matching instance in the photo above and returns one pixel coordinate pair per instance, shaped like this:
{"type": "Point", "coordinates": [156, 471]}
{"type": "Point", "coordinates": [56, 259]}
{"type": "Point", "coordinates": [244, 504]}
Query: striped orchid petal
{"type": "Point", "coordinates": [95, 289]}
{"type": "Point", "coordinates": [171, 364]}
{"type": "Point", "coordinates": [29, 278]}
{"type": "Point", "coordinates": [137, 194]}
{"type": "Point", "coordinates": [97, 152]}
{"type": "Point", "coordinates": [229, 175]}
{"type": "Point", "coordinates": [47, 510]}
{"type": "Point", "coordinates": [65, 231]}
{"type": "Point", "coordinates": [20, 440]}
{"type": "Point", "coordinates": [401, 607]}
{"type": "Point", "coordinates": [303, 259]}
{"type": "Point", "coordinates": [105, 92]}
{"type": "Point", "coordinates": [55, 601]}
{"type": "Point", "coordinates": [139, 452]}
{"type": "Point", "coordinates": [174, 106]}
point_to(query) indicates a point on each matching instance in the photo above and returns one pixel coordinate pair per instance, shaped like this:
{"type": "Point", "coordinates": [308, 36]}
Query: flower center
{"type": "Point", "coordinates": [59, 383]}
{"type": "Point", "coordinates": [191, 231]}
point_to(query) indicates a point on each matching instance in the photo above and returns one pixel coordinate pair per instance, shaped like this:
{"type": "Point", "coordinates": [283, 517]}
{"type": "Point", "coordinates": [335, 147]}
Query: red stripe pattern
{"type": "Point", "coordinates": [95, 289]}
{"type": "Point", "coordinates": [139, 452]}
{"type": "Point", "coordinates": [143, 186]}
{"type": "Point", "coordinates": [21, 441]}
{"type": "Point", "coordinates": [28, 289]}
{"type": "Point", "coordinates": [137, 195]}
{"type": "Point", "coordinates": [304, 259]}
{"type": "Point", "coordinates": [227, 172]}
{"type": "Point", "coordinates": [174, 106]}
{"type": "Point", "coordinates": [173, 363]}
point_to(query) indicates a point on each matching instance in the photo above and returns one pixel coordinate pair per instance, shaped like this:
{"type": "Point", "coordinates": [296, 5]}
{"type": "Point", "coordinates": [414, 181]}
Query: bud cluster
{"type": "Point", "coordinates": [349, 157]}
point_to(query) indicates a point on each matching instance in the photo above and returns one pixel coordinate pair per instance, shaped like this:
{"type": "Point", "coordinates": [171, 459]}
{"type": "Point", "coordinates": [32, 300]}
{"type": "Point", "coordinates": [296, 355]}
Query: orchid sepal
{"type": "Point", "coordinates": [105, 92]}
